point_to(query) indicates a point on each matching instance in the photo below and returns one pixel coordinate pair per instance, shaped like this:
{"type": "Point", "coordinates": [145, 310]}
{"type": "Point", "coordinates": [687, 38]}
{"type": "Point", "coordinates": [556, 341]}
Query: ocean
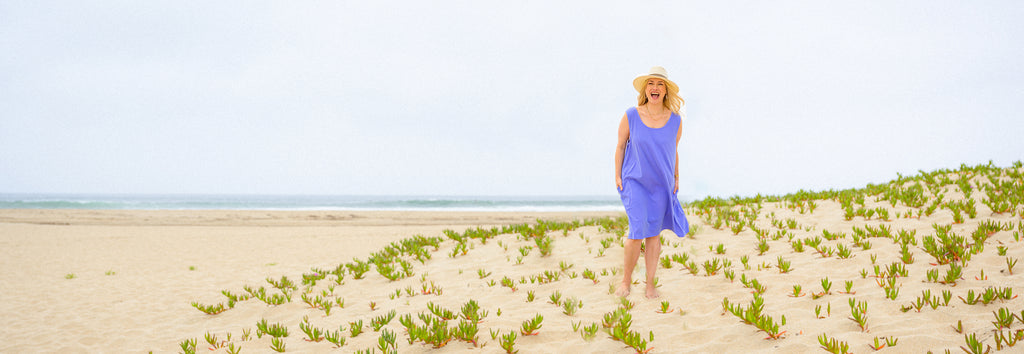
{"type": "Point", "coordinates": [309, 202]}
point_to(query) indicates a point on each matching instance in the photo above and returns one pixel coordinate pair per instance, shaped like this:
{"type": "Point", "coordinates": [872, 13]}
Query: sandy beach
{"type": "Point", "coordinates": [126, 281]}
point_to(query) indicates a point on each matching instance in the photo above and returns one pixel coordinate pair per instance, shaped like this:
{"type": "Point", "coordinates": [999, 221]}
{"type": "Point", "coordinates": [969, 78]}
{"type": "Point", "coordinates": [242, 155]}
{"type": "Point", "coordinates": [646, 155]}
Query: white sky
{"type": "Point", "coordinates": [496, 97]}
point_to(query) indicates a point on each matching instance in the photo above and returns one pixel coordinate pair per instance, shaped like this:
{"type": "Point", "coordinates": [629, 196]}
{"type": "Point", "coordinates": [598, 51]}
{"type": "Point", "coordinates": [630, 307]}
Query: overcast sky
{"type": "Point", "coordinates": [496, 97]}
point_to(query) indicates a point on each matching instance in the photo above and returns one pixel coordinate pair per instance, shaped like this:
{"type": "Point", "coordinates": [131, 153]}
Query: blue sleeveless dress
{"type": "Point", "coordinates": [648, 177]}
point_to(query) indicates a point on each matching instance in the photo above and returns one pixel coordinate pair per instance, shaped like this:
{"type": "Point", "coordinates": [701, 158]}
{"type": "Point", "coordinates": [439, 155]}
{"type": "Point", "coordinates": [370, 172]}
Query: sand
{"type": "Point", "coordinates": [136, 274]}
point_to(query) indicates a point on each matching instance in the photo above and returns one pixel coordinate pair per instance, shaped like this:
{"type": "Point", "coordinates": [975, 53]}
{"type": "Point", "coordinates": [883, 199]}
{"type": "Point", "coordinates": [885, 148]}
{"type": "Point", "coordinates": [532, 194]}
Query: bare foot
{"type": "Point", "coordinates": [623, 290]}
{"type": "Point", "coordinates": [652, 293]}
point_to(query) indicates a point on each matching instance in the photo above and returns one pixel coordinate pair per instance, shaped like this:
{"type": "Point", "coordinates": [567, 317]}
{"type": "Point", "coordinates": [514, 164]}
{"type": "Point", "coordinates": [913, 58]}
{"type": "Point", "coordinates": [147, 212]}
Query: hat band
{"type": "Point", "coordinates": [658, 75]}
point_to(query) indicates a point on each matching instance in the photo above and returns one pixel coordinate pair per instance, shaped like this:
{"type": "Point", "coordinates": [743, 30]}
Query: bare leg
{"type": "Point", "coordinates": [630, 255]}
{"type": "Point", "coordinates": [652, 253]}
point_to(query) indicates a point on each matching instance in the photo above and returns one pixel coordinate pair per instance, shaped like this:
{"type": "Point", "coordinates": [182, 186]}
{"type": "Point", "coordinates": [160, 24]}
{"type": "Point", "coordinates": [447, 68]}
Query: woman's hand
{"type": "Point", "coordinates": [618, 182]}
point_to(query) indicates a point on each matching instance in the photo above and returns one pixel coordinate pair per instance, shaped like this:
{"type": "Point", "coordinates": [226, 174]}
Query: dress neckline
{"type": "Point", "coordinates": [650, 127]}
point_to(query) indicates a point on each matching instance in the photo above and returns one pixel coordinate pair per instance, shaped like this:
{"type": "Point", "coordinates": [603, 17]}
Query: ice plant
{"type": "Point", "coordinates": [508, 342]}
{"type": "Point", "coordinates": [833, 345]}
{"type": "Point", "coordinates": [664, 307]}
{"type": "Point", "coordinates": [859, 314]}
{"type": "Point", "coordinates": [530, 327]}
{"type": "Point", "coordinates": [277, 344]}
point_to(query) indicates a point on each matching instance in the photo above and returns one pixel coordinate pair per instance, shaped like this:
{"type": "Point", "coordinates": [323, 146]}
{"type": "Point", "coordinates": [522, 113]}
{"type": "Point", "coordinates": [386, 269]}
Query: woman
{"type": "Point", "coordinates": [647, 172]}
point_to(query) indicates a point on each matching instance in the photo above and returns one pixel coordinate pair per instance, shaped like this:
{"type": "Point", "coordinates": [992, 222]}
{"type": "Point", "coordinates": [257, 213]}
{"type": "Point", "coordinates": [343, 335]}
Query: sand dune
{"type": "Point", "coordinates": [136, 274]}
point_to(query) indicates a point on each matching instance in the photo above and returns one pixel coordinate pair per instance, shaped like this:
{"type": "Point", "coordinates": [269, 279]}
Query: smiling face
{"type": "Point", "coordinates": [655, 90]}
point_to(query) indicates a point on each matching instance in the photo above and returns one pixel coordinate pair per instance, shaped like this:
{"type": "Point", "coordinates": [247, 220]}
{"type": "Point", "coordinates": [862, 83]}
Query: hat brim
{"type": "Point", "coordinates": [638, 83]}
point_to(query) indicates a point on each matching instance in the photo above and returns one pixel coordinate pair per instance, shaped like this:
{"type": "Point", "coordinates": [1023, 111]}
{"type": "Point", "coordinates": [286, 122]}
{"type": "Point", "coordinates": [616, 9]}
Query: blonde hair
{"type": "Point", "coordinates": [672, 101]}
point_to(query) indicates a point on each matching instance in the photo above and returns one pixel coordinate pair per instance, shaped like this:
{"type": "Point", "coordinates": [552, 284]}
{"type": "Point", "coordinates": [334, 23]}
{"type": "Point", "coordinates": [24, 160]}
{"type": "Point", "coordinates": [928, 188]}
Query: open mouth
{"type": "Point", "coordinates": [655, 96]}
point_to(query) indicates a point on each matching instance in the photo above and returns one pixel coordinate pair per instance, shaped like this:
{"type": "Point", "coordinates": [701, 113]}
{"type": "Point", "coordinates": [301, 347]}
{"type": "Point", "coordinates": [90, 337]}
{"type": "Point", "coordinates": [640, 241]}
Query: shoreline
{"type": "Point", "coordinates": [299, 218]}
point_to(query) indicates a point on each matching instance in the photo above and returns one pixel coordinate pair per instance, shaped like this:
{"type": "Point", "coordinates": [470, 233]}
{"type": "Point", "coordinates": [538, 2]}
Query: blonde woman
{"type": "Point", "coordinates": [647, 173]}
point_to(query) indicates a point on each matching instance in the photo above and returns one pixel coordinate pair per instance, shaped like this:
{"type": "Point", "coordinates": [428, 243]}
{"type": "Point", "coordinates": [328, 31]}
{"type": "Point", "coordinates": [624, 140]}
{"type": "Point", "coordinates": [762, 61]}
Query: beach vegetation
{"type": "Point", "coordinates": [563, 266]}
{"type": "Point", "coordinates": [313, 334]}
{"type": "Point", "coordinates": [509, 283]}
{"type": "Point", "coordinates": [762, 246]}
{"type": "Point", "coordinates": [681, 258]}
{"type": "Point", "coordinates": [233, 298]}
{"type": "Point", "coordinates": [358, 267]}
{"type": "Point", "coordinates": [378, 322]}
{"type": "Point", "coordinates": [1009, 340]}
{"type": "Point", "coordinates": [953, 274]}
{"type": "Point", "coordinates": [753, 315]}
{"type": "Point", "coordinates": [529, 327]}
{"type": "Point", "coordinates": [730, 274]}
{"type": "Point", "coordinates": [664, 307]}
{"type": "Point", "coordinates": [1004, 318]}
{"type": "Point", "coordinates": [209, 309]}
{"type": "Point", "coordinates": [544, 244]}
{"type": "Point", "coordinates": [797, 291]}
{"type": "Point", "coordinates": [618, 323]}
{"type": "Point", "coordinates": [482, 273]}
{"type": "Point", "coordinates": [335, 337]}
{"type": "Point", "coordinates": [274, 330]}
{"type": "Point", "coordinates": [386, 342]}
{"type": "Point", "coordinates": [625, 304]}
{"type": "Point", "coordinates": [712, 266]}
{"type": "Point", "coordinates": [817, 311]}
{"type": "Point", "coordinates": [752, 284]}
{"type": "Point", "coordinates": [432, 288]}
{"type": "Point", "coordinates": [570, 305]}
{"type": "Point", "coordinates": [973, 346]}
{"type": "Point", "coordinates": [277, 345]}
{"type": "Point", "coordinates": [188, 346]}
{"type": "Point", "coordinates": [859, 313]}
{"type": "Point", "coordinates": [589, 274]}
{"type": "Point", "coordinates": [737, 227]}
{"type": "Point", "coordinates": [906, 256]}
{"type": "Point", "coordinates": [849, 287]}
{"type": "Point", "coordinates": [589, 332]}
{"type": "Point", "coordinates": [946, 249]}
{"type": "Point", "coordinates": [833, 345]}
{"type": "Point", "coordinates": [843, 252]}
{"type": "Point", "coordinates": [826, 285]}
{"type": "Point", "coordinates": [441, 312]}
{"type": "Point", "coordinates": [355, 328]}
{"type": "Point", "coordinates": [555, 298]}
{"type": "Point", "coordinates": [991, 294]}
{"type": "Point", "coordinates": [798, 246]}
{"type": "Point", "coordinates": [783, 265]}
{"type": "Point", "coordinates": [471, 312]}
{"type": "Point", "coordinates": [508, 342]}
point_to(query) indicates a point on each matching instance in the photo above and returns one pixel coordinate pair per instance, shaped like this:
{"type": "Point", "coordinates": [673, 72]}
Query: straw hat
{"type": "Point", "coordinates": [656, 72]}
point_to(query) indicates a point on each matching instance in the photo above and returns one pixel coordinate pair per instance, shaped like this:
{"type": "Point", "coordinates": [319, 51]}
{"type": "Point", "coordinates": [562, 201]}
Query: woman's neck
{"type": "Point", "coordinates": [655, 108]}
